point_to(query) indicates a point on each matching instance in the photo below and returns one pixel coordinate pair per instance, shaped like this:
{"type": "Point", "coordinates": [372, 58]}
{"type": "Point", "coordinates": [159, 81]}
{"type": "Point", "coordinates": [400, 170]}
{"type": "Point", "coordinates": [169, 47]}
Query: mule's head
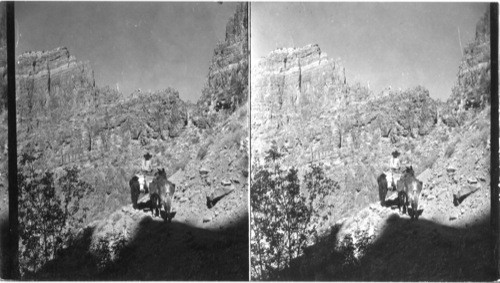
{"type": "Point", "coordinates": [409, 171]}
{"type": "Point", "coordinates": [161, 177]}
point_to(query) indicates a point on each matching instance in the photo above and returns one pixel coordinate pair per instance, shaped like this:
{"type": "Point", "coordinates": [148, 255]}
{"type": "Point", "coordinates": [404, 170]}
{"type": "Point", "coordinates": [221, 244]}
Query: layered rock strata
{"type": "Point", "coordinates": [472, 89]}
{"type": "Point", "coordinates": [227, 83]}
{"type": "Point", "coordinates": [56, 94]}
{"type": "Point", "coordinates": [49, 81]}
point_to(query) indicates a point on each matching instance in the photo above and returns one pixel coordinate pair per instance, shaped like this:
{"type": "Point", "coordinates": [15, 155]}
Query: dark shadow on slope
{"type": "Point", "coordinates": [162, 251]}
{"type": "Point", "coordinates": [73, 263]}
{"type": "Point", "coordinates": [4, 244]}
{"type": "Point", "coordinates": [406, 250]}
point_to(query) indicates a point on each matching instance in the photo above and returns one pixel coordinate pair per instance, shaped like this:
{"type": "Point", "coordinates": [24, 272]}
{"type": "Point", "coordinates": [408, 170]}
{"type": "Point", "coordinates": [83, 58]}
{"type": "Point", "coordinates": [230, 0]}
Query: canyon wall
{"type": "Point", "coordinates": [227, 82]}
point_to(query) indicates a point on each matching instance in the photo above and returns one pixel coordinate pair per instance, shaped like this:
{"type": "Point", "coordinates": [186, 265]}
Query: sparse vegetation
{"type": "Point", "coordinates": [47, 222]}
{"type": "Point", "coordinates": [281, 215]}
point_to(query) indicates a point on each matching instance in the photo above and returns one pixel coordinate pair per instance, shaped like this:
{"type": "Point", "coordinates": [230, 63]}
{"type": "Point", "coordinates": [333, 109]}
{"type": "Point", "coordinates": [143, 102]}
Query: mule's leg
{"type": "Point", "coordinates": [151, 204]}
{"type": "Point", "coordinates": [168, 206]}
{"type": "Point", "coordinates": [135, 197]}
{"type": "Point", "coordinates": [157, 208]}
{"type": "Point", "coordinates": [415, 207]}
{"type": "Point", "coordinates": [382, 192]}
{"type": "Point", "coordinates": [405, 203]}
{"type": "Point", "coordinates": [152, 200]}
{"type": "Point", "coordinates": [400, 196]}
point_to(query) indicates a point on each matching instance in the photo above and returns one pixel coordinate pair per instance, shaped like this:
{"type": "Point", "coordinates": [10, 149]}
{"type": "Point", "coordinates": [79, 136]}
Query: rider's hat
{"type": "Point", "coordinates": [395, 153]}
{"type": "Point", "coordinates": [147, 156]}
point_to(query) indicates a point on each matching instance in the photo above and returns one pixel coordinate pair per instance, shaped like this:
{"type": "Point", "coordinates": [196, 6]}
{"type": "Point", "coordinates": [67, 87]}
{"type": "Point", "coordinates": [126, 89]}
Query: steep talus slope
{"type": "Point", "coordinates": [352, 132]}
{"type": "Point", "coordinates": [65, 120]}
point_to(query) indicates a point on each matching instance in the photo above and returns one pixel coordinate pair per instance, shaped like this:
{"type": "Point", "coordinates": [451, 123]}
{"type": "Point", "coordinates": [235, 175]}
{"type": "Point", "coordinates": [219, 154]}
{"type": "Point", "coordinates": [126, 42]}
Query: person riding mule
{"type": "Point", "coordinates": [146, 164]}
{"type": "Point", "coordinates": [389, 179]}
{"type": "Point", "coordinates": [394, 167]}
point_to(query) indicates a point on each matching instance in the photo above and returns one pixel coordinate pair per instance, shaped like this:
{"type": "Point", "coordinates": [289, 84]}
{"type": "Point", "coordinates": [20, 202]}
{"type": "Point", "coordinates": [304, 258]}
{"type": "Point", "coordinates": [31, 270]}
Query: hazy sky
{"type": "Point", "coordinates": [135, 45]}
{"type": "Point", "coordinates": [397, 44]}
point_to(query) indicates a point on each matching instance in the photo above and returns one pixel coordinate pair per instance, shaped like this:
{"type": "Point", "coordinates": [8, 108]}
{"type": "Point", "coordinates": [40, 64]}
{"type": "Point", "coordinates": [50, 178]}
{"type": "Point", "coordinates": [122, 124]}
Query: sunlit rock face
{"type": "Point", "coordinates": [293, 77]}
{"type": "Point", "coordinates": [52, 81]}
{"type": "Point", "coordinates": [472, 89]}
{"type": "Point", "coordinates": [227, 83]}
{"type": "Point", "coordinates": [290, 78]}
{"type": "Point", "coordinates": [60, 109]}
{"type": "Point", "coordinates": [295, 88]}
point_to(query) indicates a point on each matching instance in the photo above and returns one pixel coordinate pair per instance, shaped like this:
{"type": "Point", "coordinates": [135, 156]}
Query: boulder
{"type": "Point", "coordinates": [451, 169]}
{"type": "Point", "coordinates": [472, 180]}
{"type": "Point", "coordinates": [204, 171]}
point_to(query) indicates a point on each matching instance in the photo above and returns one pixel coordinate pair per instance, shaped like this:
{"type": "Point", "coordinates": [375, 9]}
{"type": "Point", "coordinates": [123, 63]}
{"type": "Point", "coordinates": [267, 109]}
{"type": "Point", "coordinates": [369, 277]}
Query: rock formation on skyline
{"type": "Point", "coordinates": [227, 83]}
{"type": "Point", "coordinates": [472, 89]}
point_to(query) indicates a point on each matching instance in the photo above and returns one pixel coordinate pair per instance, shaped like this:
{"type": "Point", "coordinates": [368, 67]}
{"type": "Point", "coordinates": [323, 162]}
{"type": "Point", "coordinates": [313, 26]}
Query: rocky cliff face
{"type": "Point", "coordinates": [289, 78]}
{"type": "Point", "coordinates": [227, 83]}
{"type": "Point", "coordinates": [303, 89]}
{"type": "Point", "coordinates": [472, 89]}
{"type": "Point", "coordinates": [50, 82]}
{"type": "Point", "coordinates": [57, 94]}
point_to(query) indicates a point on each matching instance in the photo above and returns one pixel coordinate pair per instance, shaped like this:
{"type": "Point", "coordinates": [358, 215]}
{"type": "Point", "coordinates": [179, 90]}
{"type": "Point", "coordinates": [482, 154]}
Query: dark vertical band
{"type": "Point", "coordinates": [13, 270]}
{"type": "Point", "coordinates": [249, 123]}
{"type": "Point", "coordinates": [494, 133]}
